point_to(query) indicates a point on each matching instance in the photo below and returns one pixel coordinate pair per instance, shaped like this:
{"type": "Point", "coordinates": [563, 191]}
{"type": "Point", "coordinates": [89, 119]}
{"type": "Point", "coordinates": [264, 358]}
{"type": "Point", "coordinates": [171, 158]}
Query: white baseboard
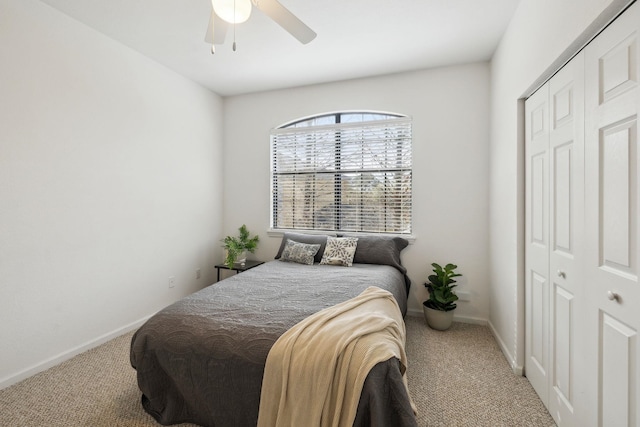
{"type": "Point", "coordinates": [414, 313]}
{"type": "Point", "coordinates": [473, 320]}
{"type": "Point", "coordinates": [56, 360]}
{"type": "Point", "coordinates": [462, 319]}
{"type": "Point", "coordinates": [517, 369]}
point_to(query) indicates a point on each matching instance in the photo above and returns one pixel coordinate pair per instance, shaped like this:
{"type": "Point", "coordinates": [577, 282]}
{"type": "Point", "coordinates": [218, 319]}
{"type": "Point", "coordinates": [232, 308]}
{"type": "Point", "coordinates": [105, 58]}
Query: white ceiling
{"type": "Point", "coordinates": [356, 38]}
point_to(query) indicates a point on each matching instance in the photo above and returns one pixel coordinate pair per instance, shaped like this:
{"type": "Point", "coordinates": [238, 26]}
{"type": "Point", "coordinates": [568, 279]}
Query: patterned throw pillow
{"type": "Point", "coordinates": [302, 253]}
{"type": "Point", "coordinates": [339, 251]}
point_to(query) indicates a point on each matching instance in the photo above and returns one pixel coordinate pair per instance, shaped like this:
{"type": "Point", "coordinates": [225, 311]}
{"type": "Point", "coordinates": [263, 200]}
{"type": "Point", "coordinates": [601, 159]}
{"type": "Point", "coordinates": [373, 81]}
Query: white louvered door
{"type": "Point", "coordinates": [612, 210]}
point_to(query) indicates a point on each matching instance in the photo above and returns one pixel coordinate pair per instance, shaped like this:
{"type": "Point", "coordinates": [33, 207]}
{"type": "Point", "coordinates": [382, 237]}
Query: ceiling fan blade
{"type": "Point", "coordinates": [287, 20]}
{"type": "Point", "coordinates": [216, 30]}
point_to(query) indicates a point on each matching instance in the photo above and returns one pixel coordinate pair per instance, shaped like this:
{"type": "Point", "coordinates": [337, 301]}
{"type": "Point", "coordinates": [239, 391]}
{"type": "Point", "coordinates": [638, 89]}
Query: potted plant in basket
{"type": "Point", "coordinates": [236, 247]}
{"type": "Point", "coordinates": [438, 309]}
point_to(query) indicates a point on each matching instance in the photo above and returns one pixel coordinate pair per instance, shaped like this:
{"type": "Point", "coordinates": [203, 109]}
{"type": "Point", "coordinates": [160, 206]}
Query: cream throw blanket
{"type": "Point", "coordinates": [316, 370]}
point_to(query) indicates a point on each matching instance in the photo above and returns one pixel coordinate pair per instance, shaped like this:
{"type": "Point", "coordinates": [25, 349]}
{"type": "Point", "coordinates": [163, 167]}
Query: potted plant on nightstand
{"type": "Point", "coordinates": [235, 247]}
{"type": "Point", "coordinates": [438, 309]}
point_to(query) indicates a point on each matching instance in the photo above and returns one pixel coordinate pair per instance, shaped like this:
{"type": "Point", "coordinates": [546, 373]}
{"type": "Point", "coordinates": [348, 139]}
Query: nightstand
{"type": "Point", "coordinates": [237, 267]}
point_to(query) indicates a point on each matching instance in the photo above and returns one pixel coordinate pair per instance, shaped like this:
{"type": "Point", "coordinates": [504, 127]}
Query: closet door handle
{"type": "Point", "coordinates": [613, 296]}
{"type": "Point", "coordinates": [562, 274]}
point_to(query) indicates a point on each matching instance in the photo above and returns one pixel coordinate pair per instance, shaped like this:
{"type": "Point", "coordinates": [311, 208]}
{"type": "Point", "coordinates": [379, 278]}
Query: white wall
{"type": "Point", "coordinates": [540, 36]}
{"type": "Point", "coordinates": [450, 114]}
{"type": "Point", "coordinates": [111, 170]}
{"type": "Point", "coordinates": [110, 178]}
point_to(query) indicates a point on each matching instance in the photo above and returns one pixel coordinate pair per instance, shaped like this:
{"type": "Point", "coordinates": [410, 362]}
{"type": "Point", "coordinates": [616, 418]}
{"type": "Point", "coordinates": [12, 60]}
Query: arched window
{"type": "Point", "coordinates": [345, 171]}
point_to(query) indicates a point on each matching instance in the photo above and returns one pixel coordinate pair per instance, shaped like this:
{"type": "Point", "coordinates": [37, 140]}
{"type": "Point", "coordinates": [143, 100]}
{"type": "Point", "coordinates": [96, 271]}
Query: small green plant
{"type": "Point", "coordinates": [440, 287]}
{"type": "Point", "coordinates": [236, 245]}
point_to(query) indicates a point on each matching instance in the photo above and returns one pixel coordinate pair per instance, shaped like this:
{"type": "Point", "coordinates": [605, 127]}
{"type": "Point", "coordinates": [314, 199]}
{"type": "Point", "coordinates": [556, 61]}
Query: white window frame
{"type": "Point", "coordinates": [316, 135]}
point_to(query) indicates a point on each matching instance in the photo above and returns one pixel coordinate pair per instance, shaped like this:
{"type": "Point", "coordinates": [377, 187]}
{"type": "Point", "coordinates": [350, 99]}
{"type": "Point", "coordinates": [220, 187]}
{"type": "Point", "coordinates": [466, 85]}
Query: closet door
{"type": "Point", "coordinates": [555, 207]}
{"type": "Point", "coordinates": [537, 241]}
{"type": "Point", "coordinates": [612, 209]}
{"type": "Point", "coordinates": [566, 213]}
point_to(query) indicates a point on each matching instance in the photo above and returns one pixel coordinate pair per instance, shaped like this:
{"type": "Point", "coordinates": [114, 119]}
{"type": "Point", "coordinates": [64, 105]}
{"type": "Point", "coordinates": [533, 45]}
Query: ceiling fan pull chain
{"type": "Point", "coordinates": [234, 37]}
{"type": "Point", "coordinates": [234, 25]}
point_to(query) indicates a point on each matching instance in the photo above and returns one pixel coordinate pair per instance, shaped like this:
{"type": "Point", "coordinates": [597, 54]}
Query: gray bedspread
{"type": "Point", "coordinates": [201, 359]}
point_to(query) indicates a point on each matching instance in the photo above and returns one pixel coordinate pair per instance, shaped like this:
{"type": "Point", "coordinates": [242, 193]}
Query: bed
{"type": "Point", "coordinates": [202, 359]}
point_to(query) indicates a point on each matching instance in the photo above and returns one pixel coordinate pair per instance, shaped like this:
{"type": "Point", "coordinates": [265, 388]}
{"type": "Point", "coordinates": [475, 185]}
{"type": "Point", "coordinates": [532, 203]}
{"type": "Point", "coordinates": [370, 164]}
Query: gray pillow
{"type": "Point", "coordinates": [383, 250]}
{"type": "Point", "coordinates": [320, 239]}
{"type": "Point", "coordinates": [302, 253]}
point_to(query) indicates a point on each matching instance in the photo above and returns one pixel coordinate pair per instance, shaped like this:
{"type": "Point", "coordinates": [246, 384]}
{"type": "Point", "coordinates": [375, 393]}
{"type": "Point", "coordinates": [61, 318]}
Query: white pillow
{"type": "Point", "coordinates": [339, 251]}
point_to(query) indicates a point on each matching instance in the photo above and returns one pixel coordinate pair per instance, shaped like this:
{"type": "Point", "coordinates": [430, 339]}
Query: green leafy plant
{"type": "Point", "coordinates": [236, 245]}
{"type": "Point", "coordinates": [440, 287]}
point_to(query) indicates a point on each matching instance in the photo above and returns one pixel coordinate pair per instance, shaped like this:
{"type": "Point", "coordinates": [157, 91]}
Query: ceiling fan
{"type": "Point", "coordinates": [225, 12]}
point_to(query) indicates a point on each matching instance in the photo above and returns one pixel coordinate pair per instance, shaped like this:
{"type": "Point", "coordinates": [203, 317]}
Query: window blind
{"type": "Point", "coordinates": [353, 177]}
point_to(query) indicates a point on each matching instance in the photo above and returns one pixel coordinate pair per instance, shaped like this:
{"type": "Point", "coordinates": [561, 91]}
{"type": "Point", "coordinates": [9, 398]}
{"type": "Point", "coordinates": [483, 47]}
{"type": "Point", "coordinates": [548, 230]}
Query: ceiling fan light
{"type": "Point", "coordinates": [225, 10]}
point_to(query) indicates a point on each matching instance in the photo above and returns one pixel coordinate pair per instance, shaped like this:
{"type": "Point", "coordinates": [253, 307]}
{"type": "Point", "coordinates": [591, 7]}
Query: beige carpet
{"type": "Point", "coordinates": [460, 378]}
{"type": "Point", "coordinates": [456, 378]}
